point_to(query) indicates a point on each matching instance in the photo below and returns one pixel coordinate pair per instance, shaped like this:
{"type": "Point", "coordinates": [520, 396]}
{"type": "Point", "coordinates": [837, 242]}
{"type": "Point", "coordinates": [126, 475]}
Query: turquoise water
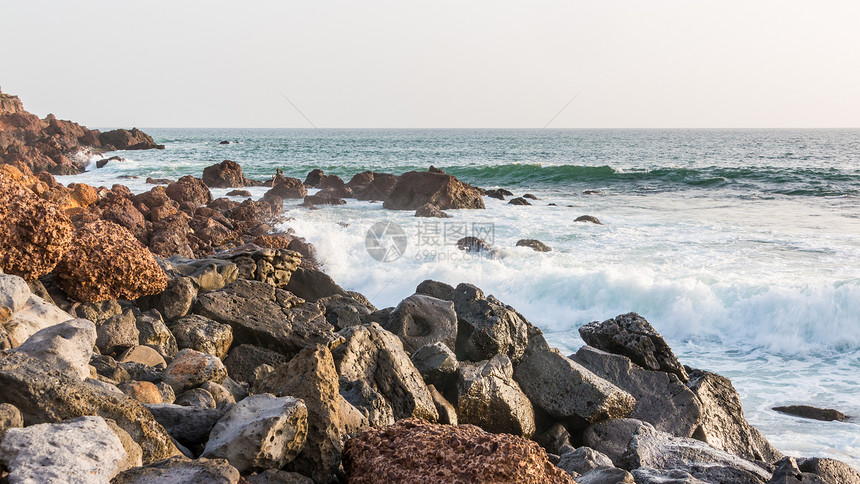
{"type": "Point", "coordinates": [740, 246]}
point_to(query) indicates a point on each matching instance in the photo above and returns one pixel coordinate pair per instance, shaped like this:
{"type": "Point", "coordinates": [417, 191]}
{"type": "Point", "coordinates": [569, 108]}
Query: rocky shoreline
{"type": "Point", "coordinates": [167, 336]}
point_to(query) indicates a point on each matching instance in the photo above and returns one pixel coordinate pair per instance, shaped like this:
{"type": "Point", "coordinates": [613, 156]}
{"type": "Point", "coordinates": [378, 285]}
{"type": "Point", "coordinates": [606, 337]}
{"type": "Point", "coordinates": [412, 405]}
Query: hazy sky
{"type": "Point", "coordinates": [411, 64]}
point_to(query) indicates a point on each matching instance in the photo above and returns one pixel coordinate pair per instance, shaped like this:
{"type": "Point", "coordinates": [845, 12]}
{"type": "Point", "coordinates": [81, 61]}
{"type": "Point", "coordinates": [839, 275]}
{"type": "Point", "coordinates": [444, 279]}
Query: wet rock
{"type": "Point", "coordinates": [187, 424]}
{"type": "Point", "coordinates": [428, 210]}
{"type": "Point", "coordinates": [806, 411]}
{"type": "Point", "coordinates": [191, 368]}
{"type": "Point", "coordinates": [107, 262]}
{"type": "Point", "coordinates": [565, 389]}
{"type": "Point", "coordinates": [486, 327]}
{"type": "Point", "coordinates": [123, 139]}
{"type": "Point", "coordinates": [534, 244]}
{"type": "Point", "coordinates": [244, 359]}
{"type": "Point", "coordinates": [265, 316]}
{"type": "Point", "coordinates": [634, 337]}
{"type": "Point", "coordinates": [312, 376]}
{"type": "Point", "coordinates": [419, 320]}
{"type": "Point", "coordinates": [34, 233]}
{"type": "Point", "coordinates": [582, 460]}
{"type": "Point", "coordinates": [142, 391]}
{"type": "Point", "coordinates": [588, 218]}
{"type": "Point", "coordinates": [238, 193]}
{"type": "Point", "coordinates": [661, 398]}
{"type": "Point", "coordinates": [723, 424]}
{"type": "Point", "coordinates": [498, 193]}
{"type": "Point", "coordinates": [67, 347]}
{"type": "Point", "coordinates": [287, 187]}
{"type": "Point", "coordinates": [375, 356]}
{"type": "Point", "coordinates": [196, 397]}
{"type": "Point", "coordinates": [227, 174]}
{"type": "Point", "coordinates": [488, 396]}
{"type": "Point", "coordinates": [154, 333]}
{"type": "Point", "coordinates": [189, 189]}
{"type": "Point", "coordinates": [272, 266]}
{"type": "Point", "coordinates": [415, 188]}
{"type": "Point", "coordinates": [261, 431]}
{"type": "Point", "coordinates": [181, 469]}
{"type": "Point", "coordinates": [473, 244]}
{"type": "Point", "coordinates": [830, 470]}
{"type": "Point", "coordinates": [437, 364]}
{"type": "Point", "coordinates": [519, 201]}
{"type": "Point", "coordinates": [118, 334]}
{"type": "Point", "coordinates": [312, 285]}
{"type": "Point", "coordinates": [203, 334]}
{"type": "Point", "coordinates": [415, 451]}
{"type": "Point", "coordinates": [646, 475]}
{"type": "Point", "coordinates": [83, 450]}
{"type": "Point", "coordinates": [436, 289]}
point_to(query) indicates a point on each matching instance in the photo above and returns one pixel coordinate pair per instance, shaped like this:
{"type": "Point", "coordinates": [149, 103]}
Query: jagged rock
{"type": "Point", "coordinates": [611, 437]}
{"type": "Point", "coordinates": [313, 285]}
{"type": "Point", "coordinates": [187, 424]}
{"type": "Point", "coordinates": [436, 289]}
{"type": "Point", "coordinates": [787, 472]}
{"type": "Point", "coordinates": [649, 447]}
{"type": "Point", "coordinates": [107, 367]}
{"type": "Point", "coordinates": [142, 391]}
{"type": "Point", "coordinates": [806, 411]}
{"type": "Point", "coordinates": [181, 469]}
{"type": "Point", "coordinates": [322, 199]}
{"type": "Point", "coordinates": [10, 418]}
{"type": "Point", "coordinates": [311, 375]}
{"type": "Point", "coordinates": [176, 300]}
{"type": "Point", "coordinates": [437, 364]}
{"type": "Point", "coordinates": [519, 201]}
{"type": "Point", "coordinates": [498, 193]}
{"type": "Point", "coordinates": [154, 333]}
{"type": "Point", "coordinates": [203, 334]}
{"type": "Point", "coordinates": [474, 245]}
{"type": "Point", "coordinates": [582, 460]}
{"type": "Point", "coordinates": [67, 347]}
{"type": "Point", "coordinates": [107, 262]}
{"type": "Point", "coordinates": [31, 317]}
{"type": "Point", "coordinates": [189, 189]}
{"type": "Point", "coordinates": [265, 316]}
{"type": "Point", "coordinates": [351, 419]}
{"type": "Point", "coordinates": [274, 476]}
{"type": "Point", "coordinates": [272, 266]}
{"type": "Point", "coordinates": [486, 327]}
{"type": "Point", "coordinates": [137, 371]}
{"type": "Point", "coordinates": [191, 368]}
{"type": "Point", "coordinates": [287, 187]}
{"type": "Point", "coordinates": [565, 389]}
{"type": "Point", "coordinates": [123, 139]}
{"type": "Point", "coordinates": [83, 450]}
{"type": "Point", "coordinates": [375, 356]}
{"type": "Point", "coordinates": [118, 334]}
{"type": "Point", "coordinates": [488, 396]}
{"type": "Point", "coordinates": [98, 312]}
{"type": "Point", "coordinates": [227, 174]}
{"type": "Point", "coordinates": [830, 470]}
{"type": "Point", "coordinates": [415, 451]}
{"type": "Point", "coordinates": [661, 398]}
{"type": "Point", "coordinates": [534, 244]}
{"type": "Point", "coordinates": [588, 218]}
{"type": "Point", "coordinates": [261, 431]}
{"type": "Point", "coordinates": [134, 454]}
{"type": "Point", "coordinates": [447, 412]}
{"type": "Point", "coordinates": [419, 320]}
{"type": "Point", "coordinates": [634, 337]}
{"type": "Point", "coordinates": [208, 274]}
{"type": "Point", "coordinates": [344, 311]}
{"type": "Point", "coordinates": [244, 359]}
{"type": "Point", "coordinates": [238, 193]}
{"type": "Point", "coordinates": [429, 210]}
{"type": "Point", "coordinates": [415, 188]}
{"type": "Point", "coordinates": [555, 439]}
{"type": "Point", "coordinates": [144, 355]}
{"type": "Point", "coordinates": [196, 397]}
{"type": "Point", "coordinates": [605, 475]}
{"type": "Point", "coordinates": [167, 393]}
{"type": "Point", "coordinates": [723, 424]}
{"type": "Point", "coordinates": [219, 392]}
{"type": "Point", "coordinates": [646, 475]}
{"type": "Point", "coordinates": [366, 400]}
{"type": "Point", "coordinates": [372, 185]}
{"type": "Point", "coordinates": [34, 233]}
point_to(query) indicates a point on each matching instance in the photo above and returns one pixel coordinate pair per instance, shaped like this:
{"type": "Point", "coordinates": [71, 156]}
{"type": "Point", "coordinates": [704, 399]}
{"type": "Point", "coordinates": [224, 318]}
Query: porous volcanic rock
{"type": "Point", "coordinates": [446, 192]}
{"type": "Point", "coordinates": [107, 262]}
{"type": "Point", "coordinates": [189, 189]}
{"type": "Point", "coordinates": [181, 469]}
{"type": "Point", "coordinates": [419, 452]}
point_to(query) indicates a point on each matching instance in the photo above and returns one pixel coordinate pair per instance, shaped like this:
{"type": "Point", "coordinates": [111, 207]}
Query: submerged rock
{"type": "Point", "coordinates": [588, 218]}
{"type": "Point", "coordinates": [806, 411]}
{"type": "Point", "coordinates": [533, 244]}
{"type": "Point", "coordinates": [123, 139]}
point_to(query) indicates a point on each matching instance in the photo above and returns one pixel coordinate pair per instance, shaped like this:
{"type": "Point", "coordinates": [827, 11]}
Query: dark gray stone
{"type": "Point", "coordinates": [244, 359]}
{"type": "Point", "coordinates": [312, 285]}
{"type": "Point", "coordinates": [488, 396]}
{"type": "Point", "coordinates": [419, 320]}
{"type": "Point", "coordinates": [582, 460]}
{"type": "Point", "coordinates": [437, 364]}
{"type": "Point", "coordinates": [436, 289]}
{"type": "Point", "coordinates": [187, 424]}
{"type": "Point", "coordinates": [486, 327]}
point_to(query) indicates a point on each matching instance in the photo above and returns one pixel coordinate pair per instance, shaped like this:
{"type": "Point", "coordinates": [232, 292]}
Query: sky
{"type": "Point", "coordinates": [439, 64]}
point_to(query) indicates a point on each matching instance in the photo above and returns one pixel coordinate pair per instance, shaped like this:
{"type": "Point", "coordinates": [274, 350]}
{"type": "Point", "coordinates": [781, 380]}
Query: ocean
{"type": "Point", "coordinates": [742, 247]}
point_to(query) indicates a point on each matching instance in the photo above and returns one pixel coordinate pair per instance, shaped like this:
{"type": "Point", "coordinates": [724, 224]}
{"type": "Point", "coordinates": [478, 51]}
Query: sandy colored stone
{"type": "Point", "coordinates": [142, 391]}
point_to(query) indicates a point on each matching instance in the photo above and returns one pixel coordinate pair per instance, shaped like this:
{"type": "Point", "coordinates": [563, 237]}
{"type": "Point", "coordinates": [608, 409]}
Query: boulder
{"type": "Point", "coordinates": [555, 439]}
{"type": "Point", "coordinates": [191, 368]}
{"type": "Point", "coordinates": [634, 337]}
{"type": "Point", "coordinates": [534, 244]}
{"type": "Point", "coordinates": [815, 413]}
{"type": "Point", "coordinates": [154, 333]}
{"type": "Point", "coordinates": [244, 359]}
{"type": "Point", "coordinates": [661, 398]}
{"type": "Point", "coordinates": [487, 396]}
{"type": "Point", "coordinates": [646, 475]}
{"type": "Point", "coordinates": [203, 334]}
{"type": "Point", "coordinates": [274, 476]}
{"type": "Point", "coordinates": [181, 469]}
{"type": "Point", "coordinates": [189, 189]}
{"type": "Point", "coordinates": [787, 472]}
{"type": "Point", "coordinates": [176, 300]}
{"type": "Point", "coordinates": [313, 285]}
{"type": "Point", "coordinates": [238, 193]}
{"type": "Point", "coordinates": [322, 199]}
{"type": "Point", "coordinates": [272, 266]}
{"type": "Point", "coordinates": [196, 397]}
{"type": "Point", "coordinates": [415, 451]}
{"type": "Point", "coordinates": [436, 289]}
{"type": "Point", "coordinates": [498, 193]}
{"type": "Point", "coordinates": [368, 402]}
{"type": "Point", "coordinates": [518, 201]}
{"type": "Point", "coordinates": [118, 334]}
{"type": "Point", "coordinates": [187, 424]}
{"type": "Point", "coordinates": [376, 357]}
{"type": "Point", "coordinates": [486, 327]}
{"type": "Point", "coordinates": [82, 450]}
{"type": "Point", "coordinates": [582, 460]}
{"type": "Point", "coordinates": [447, 412]}
{"type": "Point", "coordinates": [565, 389]}
{"type": "Point", "coordinates": [311, 375]}
{"type": "Point", "coordinates": [419, 320]}
{"type": "Point", "coordinates": [474, 245]}
{"type": "Point", "coordinates": [265, 316]}
{"type": "Point", "coordinates": [830, 470]}
{"type": "Point", "coordinates": [35, 314]}
{"type": "Point", "coordinates": [261, 431]}
{"type": "Point", "coordinates": [588, 218]}
{"type": "Point", "coordinates": [227, 174]}
{"type": "Point", "coordinates": [445, 192]}
{"type": "Point", "coordinates": [429, 210]}
{"type": "Point", "coordinates": [123, 139]}
{"type": "Point", "coordinates": [142, 391]}
{"type": "Point", "coordinates": [344, 311]}
{"type": "Point", "coordinates": [67, 347]}
{"type": "Point", "coordinates": [219, 392]}
{"type": "Point", "coordinates": [287, 187]}
{"type": "Point", "coordinates": [437, 364]}
{"type": "Point", "coordinates": [10, 418]}
{"type": "Point", "coordinates": [107, 262]}
{"type": "Point", "coordinates": [34, 233]}
{"type": "Point", "coordinates": [611, 437]}
{"type": "Point", "coordinates": [207, 274]}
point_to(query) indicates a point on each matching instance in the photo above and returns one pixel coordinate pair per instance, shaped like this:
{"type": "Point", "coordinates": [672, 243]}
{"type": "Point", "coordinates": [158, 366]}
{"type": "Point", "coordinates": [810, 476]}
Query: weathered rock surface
{"type": "Point", "coordinates": [196, 397]}
{"type": "Point", "coordinates": [191, 368]}
{"type": "Point", "coordinates": [34, 233]}
{"type": "Point", "coordinates": [244, 359]}
{"type": "Point", "coordinates": [187, 424]}
{"type": "Point", "coordinates": [22, 314]}
{"type": "Point", "coordinates": [107, 262]}
{"type": "Point", "coordinates": [487, 396]}
{"type": "Point", "coordinates": [181, 469]}
{"type": "Point", "coordinates": [430, 210]}
{"type": "Point", "coordinates": [445, 192]}
{"type": "Point", "coordinates": [830, 470]}
{"type": "Point", "coordinates": [436, 289]}
{"type": "Point", "coordinates": [67, 347]}
{"type": "Point", "coordinates": [588, 218]}
{"type": "Point", "coordinates": [272, 266]}
{"type": "Point", "coordinates": [486, 327]}
{"type": "Point", "coordinates": [605, 475]}
{"type": "Point", "coordinates": [10, 418]}
{"type": "Point", "coordinates": [565, 389]}
{"type": "Point", "coordinates": [189, 189]}
{"type": "Point", "coordinates": [634, 337]}
{"type": "Point", "coordinates": [287, 187]}
{"type": "Point", "coordinates": [261, 431]}
{"type": "Point", "coordinates": [437, 364]}
{"type": "Point", "coordinates": [203, 334]}
{"type": "Point", "coordinates": [344, 311]}
{"type": "Point", "coordinates": [265, 316]}
{"type": "Point", "coordinates": [142, 391]}
{"type": "Point", "coordinates": [273, 476]}
{"type": "Point", "coordinates": [118, 334]}
{"type": "Point", "coordinates": [123, 139]}
{"type": "Point", "coordinates": [582, 460]}
{"type": "Point", "coordinates": [519, 201]}
{"type": "Point", "coordinates": [807, 411]}
{"type": "Point", "coordinates": [83, 450]}
{"type": "Point", "coordinates": [534, 244]}
{"type": "Point", "coordinates": [208, 274]}
{"type": "Point", "coordinates": [227, 174]}
{"type": "Point", "coordinates": [646, 475]}
{"type": "Point", "coordinates": [415, 451]}
{"type": "Point", "coordinates": [787, 472]}
{"type": "Point", "coordinates": [419, 320]}
{"type": "Point", "coordinates": [313, 285]}
{"type": "Point", "coordinates": [154, 333]}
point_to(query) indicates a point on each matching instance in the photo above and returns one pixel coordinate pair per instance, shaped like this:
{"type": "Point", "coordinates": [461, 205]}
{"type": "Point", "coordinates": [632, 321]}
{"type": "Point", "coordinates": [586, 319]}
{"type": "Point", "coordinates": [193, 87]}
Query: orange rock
{"type": "Point", "coordinates": [142, 391]}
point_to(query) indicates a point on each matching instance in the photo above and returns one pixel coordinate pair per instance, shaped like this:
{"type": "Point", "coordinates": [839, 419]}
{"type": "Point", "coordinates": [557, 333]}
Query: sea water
{"type": "Point", "coordinates": [740, 246]}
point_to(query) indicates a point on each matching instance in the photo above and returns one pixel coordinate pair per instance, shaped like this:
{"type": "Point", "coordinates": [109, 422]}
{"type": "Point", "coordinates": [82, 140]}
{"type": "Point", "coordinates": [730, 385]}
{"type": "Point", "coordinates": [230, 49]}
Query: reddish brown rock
{"type": "Point", "coordinates": [170, 236]}
{"type": "Point", "coordinates": [34, 233]}
{"type": "Point", "coordinates": [189, 189]}
{"type": "Point", "coordinates": [227, 174]}
{"type": "Point", "coordinates": [107, 262]}
{"type": "Point", "coordinates": [287, 187]}
{"type": "Point", "coordinates": [121, 211]}
{"type": "Point", "coordinates": [372, 186]}
{"type": "Point", "coordinates": [123, 139]}
{"type": "Point", "coordinates": [415, 451]}
{"type": "Point", "coordinates": [415, 188]}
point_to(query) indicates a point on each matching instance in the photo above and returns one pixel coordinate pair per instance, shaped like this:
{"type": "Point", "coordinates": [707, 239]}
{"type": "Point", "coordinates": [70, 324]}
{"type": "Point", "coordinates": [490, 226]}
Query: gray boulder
{"type": "Point", "coordinates": [647, 475]}
{"type": "Point", "coordinates": [10, 418]}
{"type": "Point", "coordinates": [175, 302]}
{"type": "Point", "coordinates": [207, 274]}
{"type": "Point", "coordinates": [191, 368]}
{"type": "Point", "coordinates": [22, 318]}
{"type": "Point", "coordinates": [188, 425]}
{"type": "Point", "coordinates": [196, 397]}
{"type": "Point", "coordinates": [488, 396]}
{"type": "Point", "coordinates": [371, 404]}
{"type": "Point", "coordinates": [242, 360]}
{"type": "Point", "coordinates": [261, 431]}
{"type": "Point", "coordinates": [67, 347]}
{"type": "Point", "coordinates": [436, 289]}
{"type": "Point", "coordinates": [787, 472]}
{"type": "Point", "coordinates": [611, 437]}
{"type": "Point", "coordinates": [831, 471]}
{"type": "Point", "coordinates": [313, 285]}
{"type": "Point", "coordinates": [264, 264]}
{"type": "Point", "coordinates": [203, 334]}
{"type": "Point", "coordinates": [154, 333]}
{"type": "Point", "coordinates": [181, 469]}
{"type": "Point", "coordinates": [582, 460]}
{"type": "Point", "coordinates": [486, 327]}
{"type": "Point", "coordinates": [437, 364]}
{"type": "Point", "coordinates": [118, 334]}
{"type": "Point", "coordinates": [274, 476]}
{"type": "Point", "coordinates": [419, 320]}
{"type": "Point", "coordinates": [345, 311]}
{"type": "Point", "coordinates": [605, 475]}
